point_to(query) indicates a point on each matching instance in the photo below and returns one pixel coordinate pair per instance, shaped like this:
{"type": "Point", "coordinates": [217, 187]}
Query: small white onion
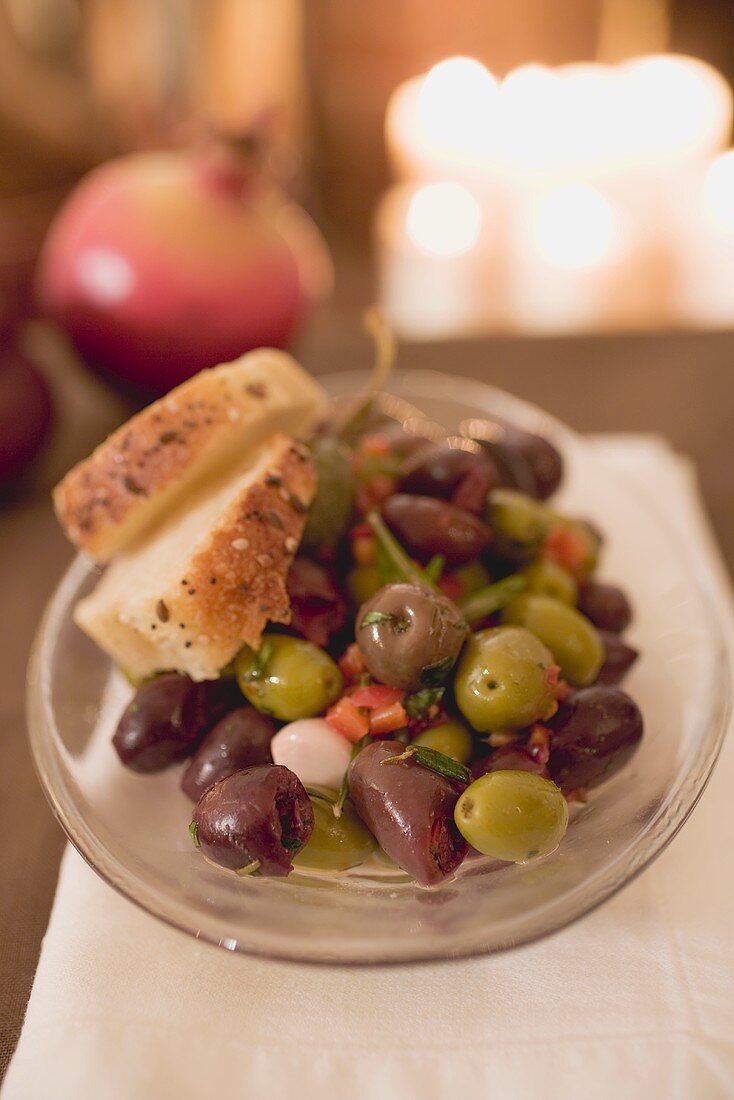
{"type": "Point", "coordinates": [313, 750]}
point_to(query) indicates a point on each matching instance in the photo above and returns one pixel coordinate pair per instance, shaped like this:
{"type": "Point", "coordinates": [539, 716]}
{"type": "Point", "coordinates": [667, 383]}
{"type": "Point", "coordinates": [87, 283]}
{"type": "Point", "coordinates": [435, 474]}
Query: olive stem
{"type": "Point", "coordinates": [404, 566]}
{"type": "Point", "coordinates": [248, 869]}
{"type": "Point", "coordinates": [491, 598]}
{"type": "Point", "coordinates": [375, 324]}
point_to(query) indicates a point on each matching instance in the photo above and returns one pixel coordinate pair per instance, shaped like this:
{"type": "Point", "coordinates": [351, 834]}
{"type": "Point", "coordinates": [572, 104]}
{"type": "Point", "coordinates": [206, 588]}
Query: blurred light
{"type": "Point", "coordinates": [573, 227]}
{"type": "Point", "coordinates": [456, 104]}
{"type": "Point", "coordinates": [529, 111]}
{"type": "Point", "coordinates": [675, 106]}
{"type": "Point", "coordinates": [105, 275]}
{"type": "Point", "coordinates": [717, 192]}
{"type": "Point", "coordinates": [444, 219]}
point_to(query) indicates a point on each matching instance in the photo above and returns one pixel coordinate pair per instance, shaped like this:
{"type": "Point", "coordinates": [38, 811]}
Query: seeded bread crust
{"type": "Point", "coordinates": [108, 501]}
{"type": "Point", "coordinates": [222, 593]}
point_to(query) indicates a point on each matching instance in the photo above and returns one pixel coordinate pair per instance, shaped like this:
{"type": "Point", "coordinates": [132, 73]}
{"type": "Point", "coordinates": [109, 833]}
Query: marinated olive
{"type": "Point", "coordinates": [547, 578]}
{"type": "Point", "coordinates": [410, 635]}
{"type": "Point", "coordinates": [606, 606]}
{"type": "Point", "coordinates": [518, 523]}
{"type": "Point", "coordinates": [167, 718]}
{"type": "Point", "coordinates": [502, 681]}
{"type": "Point", "coordinates": [362, 583]}
{"type": "Point", "coordinates": [336, 843]}
{"type": "Point", "coordinates": [329, 513]}
{"type": "Point", "coordinates": [515, 758]}
{"type": "Point", "coordinates": [410, 811]}
{"type": "Point", "coordinates": [288, 678]}
{"type": "Point", "coordinates": [452, 738]}
{"type": "Point", "coordinates": [317, 607]}
{"type": "Point", "coordinates": [427, 527]}
{"type": "Point", "coordinates": [257, 819]}
{"type": "Point", "coordinates": [593, 735]}
{"type": "Point", "coordinates": [512, 815]}
{"type": "Point", "coordinates": [618, 658]}
{"type": "Point", "coordinates": [573, 641]}
{"type": "Point", "coordinates": [238, 740]}
{"type": "Point", "coordinates": [527, 461]}
{"type": "Point", "coordinates": [442, 471]}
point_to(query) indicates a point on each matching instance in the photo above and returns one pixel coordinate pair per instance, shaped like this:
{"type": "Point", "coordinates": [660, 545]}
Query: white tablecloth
{"type": "Point", "coordinates": [636, 1000]}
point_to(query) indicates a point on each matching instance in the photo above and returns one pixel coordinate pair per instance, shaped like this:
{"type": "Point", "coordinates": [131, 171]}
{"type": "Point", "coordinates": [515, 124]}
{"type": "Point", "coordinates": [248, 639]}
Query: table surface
{"type": "Point", "coordinates": [680, 385]}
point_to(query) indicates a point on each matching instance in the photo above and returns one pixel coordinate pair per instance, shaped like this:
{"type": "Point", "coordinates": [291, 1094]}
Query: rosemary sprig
{"type": "Point", "coordinates": [392, 558]}
{"type": "Point", "coordinates": [434, 761]}
{"type": "Point", "coordinates": [194, 833]}
{"type": "Point", "coordinates": [492, 597]}
{"type": "Point", "coordinates": [248, 869]}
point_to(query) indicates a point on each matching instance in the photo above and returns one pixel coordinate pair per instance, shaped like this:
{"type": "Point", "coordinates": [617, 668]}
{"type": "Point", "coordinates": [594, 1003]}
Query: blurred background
{"type": "Point", "coordinates": [263, 169]}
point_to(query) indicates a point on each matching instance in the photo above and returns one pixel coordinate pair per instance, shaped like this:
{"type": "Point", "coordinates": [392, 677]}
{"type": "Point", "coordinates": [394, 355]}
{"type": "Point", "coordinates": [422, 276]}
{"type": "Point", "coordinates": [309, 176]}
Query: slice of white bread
{"type": "Point", "coordinates": [151, 464]}
{"type": "Point", "coordinates": [207, 580]}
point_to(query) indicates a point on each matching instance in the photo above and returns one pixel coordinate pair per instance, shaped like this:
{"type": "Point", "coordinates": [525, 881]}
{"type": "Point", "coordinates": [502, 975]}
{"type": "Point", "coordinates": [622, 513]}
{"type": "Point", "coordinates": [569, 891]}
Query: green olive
{"type": "Point", "coordinates": [336, 843]}
{"type": "Point", "coordinates": [502, 679]}
{"type": "Point", "coordinates": [547, 578]}
{"type": "Point", "coordinates": [362, 583]}
{"type": "Point", "coordinates": [329, 513]}
{"type": "Point", "coordinates": [571, 638]}
{"type": "Point", "coordinates": [471, 577]}
{"type": "Point", "coordinates": [452, 738]}
{"type": "Point", "coordinates": [512, 815]}
{"type": "Point", "coordinates": [288, 678]}
{"type": "Point", "coordinates": [519, 523]}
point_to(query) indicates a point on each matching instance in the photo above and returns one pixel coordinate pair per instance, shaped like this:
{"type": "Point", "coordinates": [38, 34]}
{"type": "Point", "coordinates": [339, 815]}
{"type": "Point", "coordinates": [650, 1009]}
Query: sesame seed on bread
{"type": "Point", "coordinates": [150, 465]}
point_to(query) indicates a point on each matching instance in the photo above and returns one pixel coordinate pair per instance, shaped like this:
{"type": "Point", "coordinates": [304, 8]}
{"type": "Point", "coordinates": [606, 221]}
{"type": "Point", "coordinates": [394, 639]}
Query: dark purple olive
{"type": "Point", "coordinates": [259, 815]}
{"type": "Point", "coordinates": [167, 718]}
{"type": "Point", "coordinates": [526, 461]}
{"type": "Point", "coordinates": [618, 658]}
{"type": "Point", "coordinates": [409, 635]}
{"type": "Point", "coordinates": [449, 473]}
{"type": "Point", "coordinates": [317, 607]}
{"type": "Point", "coordinates": [410, 811]}
{"type": "Point", "coordinates": [593, 735]}
{"type": "Point", "coordinates": [514, 758]}
{"type": "Point", "coordinates": [239, 740]}
{"type": "Point", "coordinates": [427, 527]}
{"type": "Point", "coordinates": [606, 606]}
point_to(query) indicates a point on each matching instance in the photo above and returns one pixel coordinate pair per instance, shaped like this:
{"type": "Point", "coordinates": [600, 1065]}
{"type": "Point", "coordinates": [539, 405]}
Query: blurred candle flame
{"type": "Point", "coordinates": [444, 219]}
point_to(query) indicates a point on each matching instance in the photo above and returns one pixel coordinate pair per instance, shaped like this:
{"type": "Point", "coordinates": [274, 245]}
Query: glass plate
{"type": "Point", "coordinates": [133, 829]}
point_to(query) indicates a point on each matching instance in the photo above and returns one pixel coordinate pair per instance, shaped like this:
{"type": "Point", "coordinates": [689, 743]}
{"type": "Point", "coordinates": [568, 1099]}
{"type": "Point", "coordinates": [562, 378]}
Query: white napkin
{"type": "Point", "coordinates": [636, 1000]}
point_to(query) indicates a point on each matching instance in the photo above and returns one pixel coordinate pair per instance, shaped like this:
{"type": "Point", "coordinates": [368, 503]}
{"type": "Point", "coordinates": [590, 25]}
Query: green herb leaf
{"type": "Point", "coordinates": [434, 761]}
{"type": "Point", "coordinates": [376, 617]}
{"type": "Point", "coordinates": [491, 598]}
{"type": "Point", "coordinates": [290, 843]}
{"type": "Point", "coordinates": [434, 569]}
{"type": "Point", "coordinates": [194, 833]}
{"type": "Point", "coordinates": [338, 806]}
{"type": "Point", "coordinates": [417, 704]}
{"type": "Point", "coordinates": [432, 675]}
{"type": "Point", "coordinates": [402, 625]}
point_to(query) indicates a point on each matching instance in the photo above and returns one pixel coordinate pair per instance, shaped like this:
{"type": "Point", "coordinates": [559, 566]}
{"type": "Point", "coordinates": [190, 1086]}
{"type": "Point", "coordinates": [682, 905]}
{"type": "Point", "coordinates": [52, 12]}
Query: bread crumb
{"type": "Point", "coordinates": [240, 544]}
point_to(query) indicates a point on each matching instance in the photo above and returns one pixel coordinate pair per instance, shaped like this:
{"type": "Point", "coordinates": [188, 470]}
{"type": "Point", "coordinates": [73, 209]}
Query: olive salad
{"type": "Point", "coordinates": [448, 683]}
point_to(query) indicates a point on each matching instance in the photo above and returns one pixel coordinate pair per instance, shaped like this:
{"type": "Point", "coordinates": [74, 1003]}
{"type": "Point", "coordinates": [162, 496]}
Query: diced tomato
{"type": "Point", "coordinates": [364, 550]}
{"type": "Point", "coordinates": [387, 719]}
{"type": "Point", "coordinates": [568, 548]}
{"type": "Point", "coordinates": [561, 691]}
{"type": "Point", "coordinates": [451, 586]}
{"type": "Point", "coordinates": [360, 530]}
{"type": "Point", "coordinates": [348, 720]}
{"type": "Point", "coordinates": [375, 445]}
{"type": "Point", "coordinates": [551, 675]}
{"type": "Point", "coordinates": [352, 663]}
{"type": "Point", "coordinates": [578, 794]}
{"type": "Point", "coordinates": [376, 695]}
